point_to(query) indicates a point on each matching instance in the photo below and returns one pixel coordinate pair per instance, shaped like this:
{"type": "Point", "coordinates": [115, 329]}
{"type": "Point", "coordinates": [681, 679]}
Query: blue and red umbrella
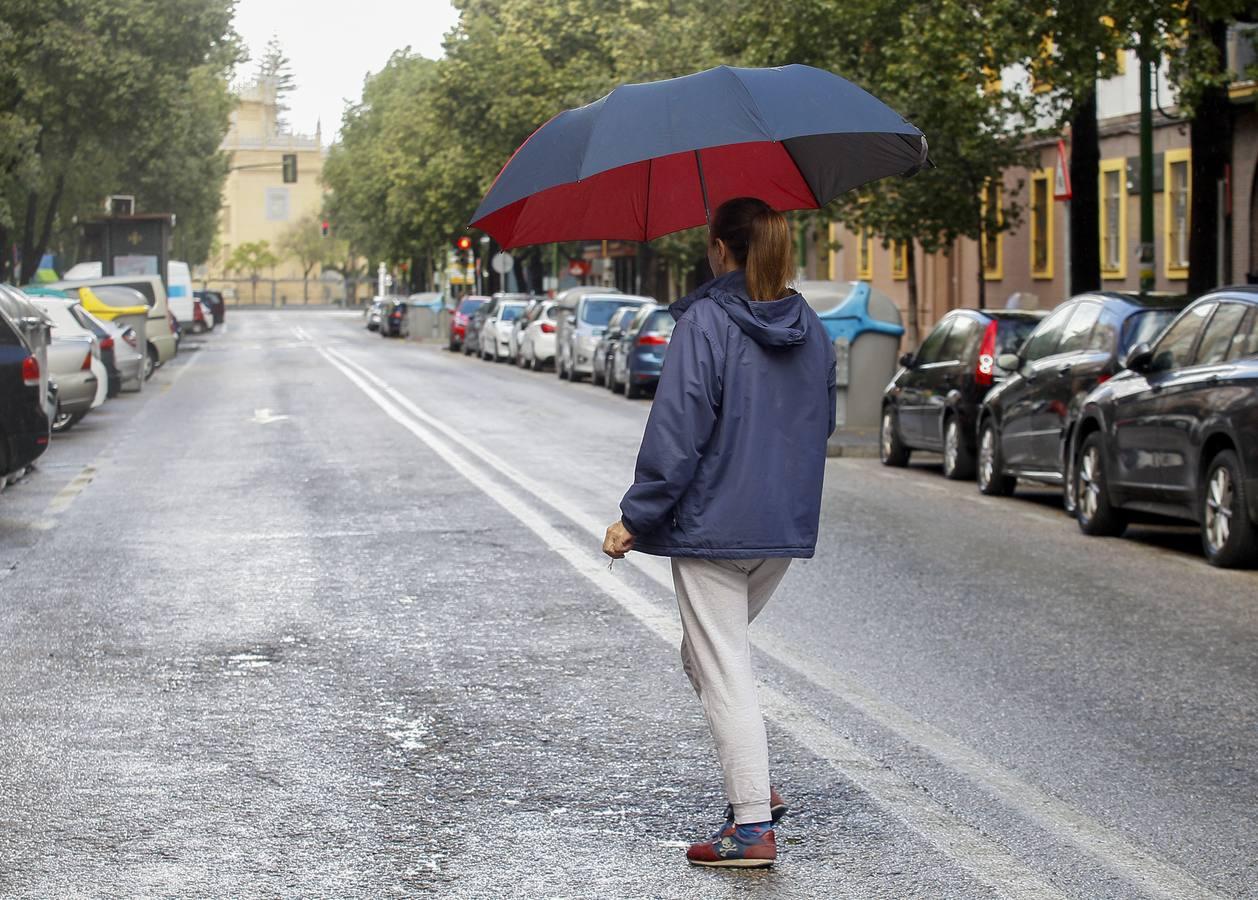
{"type": "Point", "coordinates": [651, 159]}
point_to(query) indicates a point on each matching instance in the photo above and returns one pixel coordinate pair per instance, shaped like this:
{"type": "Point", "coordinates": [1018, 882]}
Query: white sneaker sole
{"type": "Point", "coordinates": [735, 863]}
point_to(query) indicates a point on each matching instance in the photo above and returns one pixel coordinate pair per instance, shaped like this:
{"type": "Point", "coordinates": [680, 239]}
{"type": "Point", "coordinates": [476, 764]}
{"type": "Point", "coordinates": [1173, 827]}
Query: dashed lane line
{"type": "Point", "coordinates": [986, 860]}
{"type": "Point", "coordinates": [1154, 876]}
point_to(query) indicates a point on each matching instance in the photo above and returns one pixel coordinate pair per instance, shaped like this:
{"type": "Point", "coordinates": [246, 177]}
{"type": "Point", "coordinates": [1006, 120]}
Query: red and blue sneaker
{"type": "Point", "coordinates": [737, 847]}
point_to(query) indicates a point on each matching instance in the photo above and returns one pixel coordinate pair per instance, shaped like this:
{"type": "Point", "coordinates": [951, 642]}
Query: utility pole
{"type": "Point", "coordinates": [1146, 255]}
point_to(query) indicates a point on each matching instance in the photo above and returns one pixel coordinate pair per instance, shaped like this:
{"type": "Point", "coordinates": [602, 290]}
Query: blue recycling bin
{"type": "Point", "coordinates": [866, 328]}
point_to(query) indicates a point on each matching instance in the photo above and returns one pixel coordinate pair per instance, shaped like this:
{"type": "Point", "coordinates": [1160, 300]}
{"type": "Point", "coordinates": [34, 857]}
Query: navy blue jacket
{"type": "Point", "coordinates": [734, 452]}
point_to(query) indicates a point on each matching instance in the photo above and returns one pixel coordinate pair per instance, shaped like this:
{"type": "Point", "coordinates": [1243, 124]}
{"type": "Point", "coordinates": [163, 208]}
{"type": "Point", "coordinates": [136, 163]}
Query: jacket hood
{"type": "Point", "coordinates": [773, 324]}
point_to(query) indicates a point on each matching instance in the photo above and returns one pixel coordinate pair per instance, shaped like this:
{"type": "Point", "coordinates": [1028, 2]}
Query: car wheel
{"type": "Point", "coordinates": [454, 345]}
{"type": "Point", "coordinates": [992, 479]}
{"type": "Point", "coordinates": [1069, 484]}
{"type": "Point", "coordinates": [574, 376]}
{"type": "Point", "coordinates": [597, 375]}
{"type": "Point", "coordinates": [632, 391]}
{"type": "Point", "coordinates": [150, 362]}
{"type": "Point", "coordinates": [891, 450]}
{"type": "Point", "coordinates": [1096, 514]}
{"type": "Point", "coordinates": [958, 459]}
{"type": "Point", "coordinates": [1227, 534]}
{"type": "Point", "coordinates": [609, 377]}
{"type": "Point", "coordinates": [63, 421]}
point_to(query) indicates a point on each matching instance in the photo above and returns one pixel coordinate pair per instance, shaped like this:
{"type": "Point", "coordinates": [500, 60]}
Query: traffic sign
{"type": "Point", "coordinates": [1061, 183]}
{"type": "Point", "coordinates": [502, 262]}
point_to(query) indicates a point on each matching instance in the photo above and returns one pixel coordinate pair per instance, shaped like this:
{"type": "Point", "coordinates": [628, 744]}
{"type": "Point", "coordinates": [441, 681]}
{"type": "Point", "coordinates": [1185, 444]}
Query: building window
{"type": "Point", "coordinates": [899, 260]}
{"type": "Point", "coordinates": [1042, 224]}
{"type": "Point", "coordinates": [1113, 190]}
{"type": "Point", "coordinates": [993, 237]}
{"type": "Point", "coordinates": [865, 255]}
{"type": "Point", "coordinates": [1178, 196]}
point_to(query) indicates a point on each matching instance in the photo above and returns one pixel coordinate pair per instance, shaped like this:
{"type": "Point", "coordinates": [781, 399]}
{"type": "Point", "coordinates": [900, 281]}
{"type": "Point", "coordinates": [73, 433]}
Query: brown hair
{"type": "Point", "coordinates": [760, 239]}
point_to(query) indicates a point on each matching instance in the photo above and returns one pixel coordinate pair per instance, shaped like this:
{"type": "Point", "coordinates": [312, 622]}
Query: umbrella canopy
{"type": "Point", "coordinates": [650, 159]}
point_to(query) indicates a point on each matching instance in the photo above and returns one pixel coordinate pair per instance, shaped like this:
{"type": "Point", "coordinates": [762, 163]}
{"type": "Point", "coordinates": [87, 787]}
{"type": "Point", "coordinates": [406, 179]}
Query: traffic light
{"type": "Point", "coordinates": [465, 243]}
{"type": "Point", "coordinates": [324, 228]}
{"type": "Point", "coordinates": [290, 168]}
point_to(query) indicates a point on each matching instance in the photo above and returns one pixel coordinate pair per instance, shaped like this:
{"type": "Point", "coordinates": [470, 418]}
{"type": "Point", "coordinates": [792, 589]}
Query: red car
{"type": "Point", "coordinates": [462, 315]}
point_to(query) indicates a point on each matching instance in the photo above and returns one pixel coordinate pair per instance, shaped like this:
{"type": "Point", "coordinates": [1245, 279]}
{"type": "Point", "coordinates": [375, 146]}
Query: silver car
{"type": "Point", "coordinates": [72, 356]}
{"type": "Point", "coordinates": [581, 329]}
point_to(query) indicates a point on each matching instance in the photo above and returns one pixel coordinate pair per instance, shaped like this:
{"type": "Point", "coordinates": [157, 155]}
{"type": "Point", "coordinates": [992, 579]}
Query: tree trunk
{"type": "Point", "coordinates": [910, 276]}
{"type": "Point", "coordinates": [1085, 203]}
{"type": "Point", "coordinates": [1211, 149]}
{"type": "Point", "coordinates": [25, 272]}
{"type": "Point", "coordinates": [6, 253]}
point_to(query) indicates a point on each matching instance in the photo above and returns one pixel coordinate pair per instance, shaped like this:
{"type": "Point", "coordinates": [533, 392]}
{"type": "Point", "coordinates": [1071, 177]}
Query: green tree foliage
{"type": "Point", "coordinates": [101, 97]}
{"type": "Point", "coordinates": [251, 258]}
{"type": "Point", "coordinates": [305, 242]}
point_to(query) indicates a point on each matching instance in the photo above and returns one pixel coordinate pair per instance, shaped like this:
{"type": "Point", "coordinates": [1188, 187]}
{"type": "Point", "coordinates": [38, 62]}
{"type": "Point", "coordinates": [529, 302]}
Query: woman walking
{"type": "Point", "coordinates": [728, 485]}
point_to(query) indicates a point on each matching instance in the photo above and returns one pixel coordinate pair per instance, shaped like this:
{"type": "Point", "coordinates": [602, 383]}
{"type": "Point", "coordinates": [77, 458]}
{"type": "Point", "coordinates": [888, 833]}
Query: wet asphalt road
{"type": "Point", "coordinates": [319, 614]}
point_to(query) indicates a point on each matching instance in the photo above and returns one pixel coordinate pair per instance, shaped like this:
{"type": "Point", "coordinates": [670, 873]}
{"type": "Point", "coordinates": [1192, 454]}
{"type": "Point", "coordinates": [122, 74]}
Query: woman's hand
{"type": "Point", "coordinates": [618, 541]}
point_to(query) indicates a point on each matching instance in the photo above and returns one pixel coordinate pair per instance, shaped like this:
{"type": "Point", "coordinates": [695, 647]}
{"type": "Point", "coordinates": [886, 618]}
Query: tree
{"type": "Point", "coordinates": [252, 257]}
{"type": "Point", "coordinates": [305, 241]}
{"type": "Point", "coordinates": [275, 69]}
{"type": "Point", "coordinates": [78, 102]}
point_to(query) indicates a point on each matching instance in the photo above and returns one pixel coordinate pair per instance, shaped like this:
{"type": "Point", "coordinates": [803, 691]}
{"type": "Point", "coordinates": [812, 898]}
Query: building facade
{"type": "Point", "coordinates": [257, 203]}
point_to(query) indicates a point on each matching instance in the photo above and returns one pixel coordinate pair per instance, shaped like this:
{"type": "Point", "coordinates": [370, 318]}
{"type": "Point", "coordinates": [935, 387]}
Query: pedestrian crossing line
{"type": "Point", "coordinates": [1151, 875]}
{"type": "Point", "coordinates": [985, 859]}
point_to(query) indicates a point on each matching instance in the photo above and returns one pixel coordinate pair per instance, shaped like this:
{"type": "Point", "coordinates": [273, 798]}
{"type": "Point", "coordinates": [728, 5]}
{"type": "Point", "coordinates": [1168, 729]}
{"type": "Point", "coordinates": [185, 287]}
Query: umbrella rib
{"type": "Point", "coordinates": [703, 186]}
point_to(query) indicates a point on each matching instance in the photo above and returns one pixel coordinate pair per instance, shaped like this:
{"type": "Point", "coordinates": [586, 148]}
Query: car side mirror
{"type": "Point", "coordinates": [571, 320]}
{"type": "Point", "coordinates": [1010, 362]}
{"type": "Point", "coordinates": [1138, 358]}
{"type": "Point", "coordinates": [907, 360]}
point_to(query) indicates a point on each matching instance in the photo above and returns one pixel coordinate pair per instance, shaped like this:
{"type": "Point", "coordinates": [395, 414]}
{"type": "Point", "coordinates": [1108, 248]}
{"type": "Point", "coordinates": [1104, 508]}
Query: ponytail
{"type": "Point", "coordinates": [759, 238]}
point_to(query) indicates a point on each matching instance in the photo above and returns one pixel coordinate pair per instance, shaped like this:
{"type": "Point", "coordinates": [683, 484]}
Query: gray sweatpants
{"type": "Point", "coordinates": [718, 599]}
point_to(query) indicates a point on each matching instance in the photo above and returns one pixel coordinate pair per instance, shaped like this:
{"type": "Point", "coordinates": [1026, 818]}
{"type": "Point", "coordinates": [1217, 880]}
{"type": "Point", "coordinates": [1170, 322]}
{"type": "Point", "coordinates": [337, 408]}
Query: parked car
{"type": "Point", "coordinates": [125, 308]}
{"type": "Point", "coordinates": [607, 341]}
{"type": "Point", "coordinates": [581, 329]}
{"type": "Point", "coordinates": [495, 330]}
{"type": "Point", "coordinates": [1025, 424]}
{"type": "Point", "coordinates": [119, 351]}
{"type": "Point", "coordinates": [161, 340]}
{"type": "Point", "coordinates": [393, 318]}
{"type": "Point", "coordinates": [536, 336]}
{"type": "Point", "coordinates": [36, 329]}
{"type": "Point", "coordinates": [460, 318]}
{"type": "Point", "coordinates": [1176, 433]}
{"type": "Point", "coordinates": [213, 299]}
{"type": "Point", "coordinates": [472, 340]}
{"type": "Point", "coordinates": [638, 357]}
{"type": "Point", "coordinates": [531, 309]}
{"type": "Point", "coordinates": [24, 421]}
{"type": "Point", "coordinates": [373, 312]}
{"type": "Point", "coordinates": [933, 400]}
{"type": "Point", "coordinates": [567, 301]}
{"type": "Point", "coordinates": [73, 362]}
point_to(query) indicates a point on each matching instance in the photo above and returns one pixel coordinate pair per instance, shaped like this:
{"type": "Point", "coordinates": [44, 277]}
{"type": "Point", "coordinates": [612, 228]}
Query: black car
{"type": "Point", "coordinates": [24, 425]}
{"type": "Point", "coordinates": [932, 402]}
{"type": "Point", "coordinates": [1176, 434]}
{"type": "Point", "coordinates": [607, 344]}
{"type": "Point", "coordinates": [393, 318]}
{"type": "Point", "coordinates": [214, 300]}
{"type": "Point", "coordinates": [1025, 424]}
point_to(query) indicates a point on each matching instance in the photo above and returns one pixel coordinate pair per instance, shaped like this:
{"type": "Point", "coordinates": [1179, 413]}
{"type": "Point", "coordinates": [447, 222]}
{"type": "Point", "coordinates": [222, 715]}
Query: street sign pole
{"type": "Point", "coordinates": [1146, 253]}
{"type": "Point", "coordinates": [1063, 192]}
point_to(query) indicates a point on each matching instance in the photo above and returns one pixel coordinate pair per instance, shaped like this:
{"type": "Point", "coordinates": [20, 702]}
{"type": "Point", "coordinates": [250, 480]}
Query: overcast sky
{"type": "Point", "coordinates": [333, 45]}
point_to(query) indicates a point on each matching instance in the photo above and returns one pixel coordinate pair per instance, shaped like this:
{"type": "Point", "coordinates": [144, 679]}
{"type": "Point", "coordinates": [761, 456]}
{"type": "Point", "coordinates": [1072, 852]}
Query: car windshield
{"type": "Point", "coordinates": [467, 307]}
{"type": "Point", "coordinates": [661, 322]}
{"type": "Point", "coordinates": [510, 313]}
{"type": "Point", "coordinates": [1144, 327]}
{"type": "Point", "coordinates": [600, 312]}
{"type": "Point", "coordinates": [1012, 334]}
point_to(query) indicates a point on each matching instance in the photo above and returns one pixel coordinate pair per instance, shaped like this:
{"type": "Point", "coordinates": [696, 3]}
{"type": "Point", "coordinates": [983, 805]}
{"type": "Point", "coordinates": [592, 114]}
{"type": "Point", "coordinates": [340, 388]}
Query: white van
{"type": "Point", "coordinates": [179, 292]}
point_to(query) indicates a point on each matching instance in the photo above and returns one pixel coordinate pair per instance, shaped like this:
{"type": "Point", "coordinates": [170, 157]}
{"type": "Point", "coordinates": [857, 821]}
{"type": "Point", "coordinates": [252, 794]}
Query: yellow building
{"type": "Point", "coordinates": [257, 204]}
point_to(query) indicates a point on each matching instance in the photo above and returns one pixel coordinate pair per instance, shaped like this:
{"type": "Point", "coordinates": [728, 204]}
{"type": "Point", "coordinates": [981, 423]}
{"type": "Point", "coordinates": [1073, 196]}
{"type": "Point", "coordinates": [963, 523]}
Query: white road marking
{"type": "Point", "coordinates": [1156, 877]}
{"type": "Point", "coordinates": [264, 416]}
{"type": "Point", "coordinates": [981, 856]}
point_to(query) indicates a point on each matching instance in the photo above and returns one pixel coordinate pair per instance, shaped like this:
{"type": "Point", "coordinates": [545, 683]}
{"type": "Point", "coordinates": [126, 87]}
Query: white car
{"type": "Point", "coordinates": [537, 338]}
{"type": "Point", "coordinates": [495, 333]}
